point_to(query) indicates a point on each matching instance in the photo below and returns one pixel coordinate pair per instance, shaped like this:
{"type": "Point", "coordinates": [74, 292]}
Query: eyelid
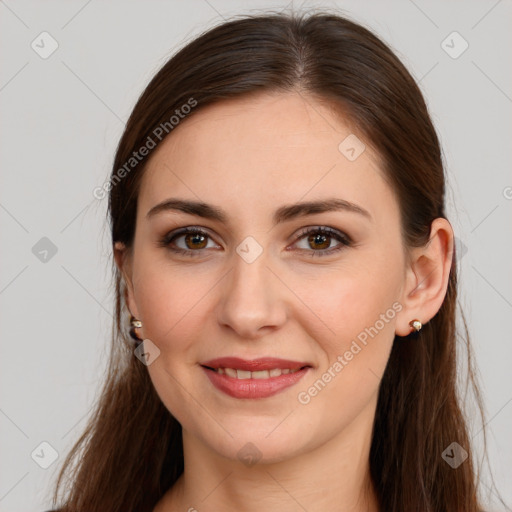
{"type": "Point", "coordinates": [343, 239]}
{"type": "Point", "coordinates": [166, 240]}
{"type": "Point", "coordinates": [327, 230]}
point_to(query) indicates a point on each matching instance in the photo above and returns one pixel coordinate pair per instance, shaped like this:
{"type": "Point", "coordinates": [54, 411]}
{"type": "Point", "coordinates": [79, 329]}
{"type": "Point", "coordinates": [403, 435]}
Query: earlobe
{"type": "Point", "coordinates": [427, 278]}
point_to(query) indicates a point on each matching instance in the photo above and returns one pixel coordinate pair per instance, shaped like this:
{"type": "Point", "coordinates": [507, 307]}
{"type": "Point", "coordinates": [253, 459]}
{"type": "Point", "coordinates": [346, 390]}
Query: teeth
{"type": "Point", "coordinates": [230, 372]}
{"type": "Point", "coordinates": [260, 374]}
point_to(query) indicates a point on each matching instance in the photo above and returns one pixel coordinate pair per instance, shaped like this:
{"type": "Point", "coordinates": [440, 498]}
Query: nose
{"type": "Point", "coordinates": [252, 300]}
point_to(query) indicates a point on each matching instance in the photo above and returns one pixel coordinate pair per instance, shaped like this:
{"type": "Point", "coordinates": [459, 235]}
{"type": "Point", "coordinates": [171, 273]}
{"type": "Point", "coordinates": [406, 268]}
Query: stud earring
{"type": "Point", "coordinates": [135, 324]}
{"type": "Point", "coordinates": [416, 325]}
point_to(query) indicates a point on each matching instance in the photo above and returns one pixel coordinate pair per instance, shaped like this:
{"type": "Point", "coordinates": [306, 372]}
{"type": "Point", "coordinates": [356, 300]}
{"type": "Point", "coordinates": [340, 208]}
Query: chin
{"type": "Point", "coordinates": [252, 446]}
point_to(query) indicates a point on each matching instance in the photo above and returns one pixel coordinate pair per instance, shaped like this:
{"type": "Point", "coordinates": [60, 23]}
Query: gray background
{"type": "Point", "coordinates": [61, 120]}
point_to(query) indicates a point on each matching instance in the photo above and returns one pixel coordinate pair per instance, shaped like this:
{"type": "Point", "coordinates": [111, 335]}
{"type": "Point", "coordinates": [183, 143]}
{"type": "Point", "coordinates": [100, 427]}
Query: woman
{"type": "Point", "coordinates": [277, 206]}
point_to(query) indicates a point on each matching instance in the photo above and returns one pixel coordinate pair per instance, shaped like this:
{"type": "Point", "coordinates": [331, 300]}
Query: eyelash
{"type": "Point", "coordinates": [345, 240]}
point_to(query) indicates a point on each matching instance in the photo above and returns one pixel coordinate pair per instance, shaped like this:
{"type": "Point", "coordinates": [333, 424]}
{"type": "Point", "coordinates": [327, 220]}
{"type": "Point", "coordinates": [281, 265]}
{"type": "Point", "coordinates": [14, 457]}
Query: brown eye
{"type": "Point", "coordinates": [318, 241]}
{"type": "Point", "coordinates": [196, 241]}
{"type": "Point", "coordinates": [190, 241]}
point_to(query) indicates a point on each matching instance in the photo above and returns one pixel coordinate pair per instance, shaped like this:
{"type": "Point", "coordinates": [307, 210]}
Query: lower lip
{"type": "Point", "coordinates": [253, 388]}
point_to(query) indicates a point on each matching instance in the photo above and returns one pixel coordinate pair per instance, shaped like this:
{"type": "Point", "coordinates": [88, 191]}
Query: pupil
{"type": "Point", "coordinates": [319, 239]}
{"type": "Point", "coordinates": [195, 238]}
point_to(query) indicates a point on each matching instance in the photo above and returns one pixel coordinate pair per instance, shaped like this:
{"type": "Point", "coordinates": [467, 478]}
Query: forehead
{"type": "Point", "coordinates": [266, 148]}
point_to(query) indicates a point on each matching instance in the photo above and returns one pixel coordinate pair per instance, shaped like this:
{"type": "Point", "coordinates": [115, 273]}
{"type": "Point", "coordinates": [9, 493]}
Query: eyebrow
{"type": "Point", "coordinates": [282, 214]}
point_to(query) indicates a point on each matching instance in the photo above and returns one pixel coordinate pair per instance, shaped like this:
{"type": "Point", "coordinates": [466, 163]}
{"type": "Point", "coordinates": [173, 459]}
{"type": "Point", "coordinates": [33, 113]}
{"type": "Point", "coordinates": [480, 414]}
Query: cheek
{"type": "Point", "coordinates": [350, 299]}
{"type": "Point", "coordinates": [357, 311]}
{"type": "Point", "coordinates": [169, 301]}
{"type": "Point", "coordinates": [362, 318]}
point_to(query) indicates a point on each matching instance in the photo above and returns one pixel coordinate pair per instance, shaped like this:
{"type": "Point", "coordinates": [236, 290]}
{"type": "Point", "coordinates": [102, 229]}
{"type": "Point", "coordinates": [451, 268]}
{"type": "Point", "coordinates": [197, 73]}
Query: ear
{"type": "Point", "coordinates": [123, 259]}
{"type": "Point", "coordinates": [427, 274]}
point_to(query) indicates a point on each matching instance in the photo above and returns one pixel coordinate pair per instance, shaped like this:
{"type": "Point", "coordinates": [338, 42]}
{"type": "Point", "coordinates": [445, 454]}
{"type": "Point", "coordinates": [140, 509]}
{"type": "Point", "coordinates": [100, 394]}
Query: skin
{"type": "Point", "coordinates": [248, 157]}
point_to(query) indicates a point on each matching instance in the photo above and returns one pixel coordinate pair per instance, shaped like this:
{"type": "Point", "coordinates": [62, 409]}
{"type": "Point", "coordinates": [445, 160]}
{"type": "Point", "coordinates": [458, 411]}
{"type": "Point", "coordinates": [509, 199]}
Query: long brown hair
{"type": "Point", "coordinates": [131, 450]}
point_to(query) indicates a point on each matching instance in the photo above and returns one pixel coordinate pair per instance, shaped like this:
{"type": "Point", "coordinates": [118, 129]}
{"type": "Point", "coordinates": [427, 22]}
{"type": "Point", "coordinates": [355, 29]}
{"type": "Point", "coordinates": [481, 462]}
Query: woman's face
{"type": "Point", "coordinates": [256, 285]}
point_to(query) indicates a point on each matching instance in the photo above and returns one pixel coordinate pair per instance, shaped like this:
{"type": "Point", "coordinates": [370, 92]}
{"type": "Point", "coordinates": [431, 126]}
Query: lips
{"type": "Point", "coordinates": [254, 365]}
{"type": "Point", "coordinates": [258, 378]}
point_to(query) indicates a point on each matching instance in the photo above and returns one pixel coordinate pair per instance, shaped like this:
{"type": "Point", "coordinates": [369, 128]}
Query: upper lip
{"type": "Point", "coordinates": [262, 363]}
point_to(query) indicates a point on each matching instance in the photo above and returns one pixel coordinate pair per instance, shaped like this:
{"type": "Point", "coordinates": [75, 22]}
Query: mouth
{"type": "Point", "coordinates": [260, 378]}
{"type": "Point", "coordinates": [254, 365]}
{"type": "Point", "coordinates": [259, 374]}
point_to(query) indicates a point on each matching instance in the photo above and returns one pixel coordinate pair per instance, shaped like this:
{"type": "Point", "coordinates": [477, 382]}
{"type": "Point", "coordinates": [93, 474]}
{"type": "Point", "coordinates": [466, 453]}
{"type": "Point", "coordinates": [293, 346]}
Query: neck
{"type": "Point", "coordinates": [332, 477]}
